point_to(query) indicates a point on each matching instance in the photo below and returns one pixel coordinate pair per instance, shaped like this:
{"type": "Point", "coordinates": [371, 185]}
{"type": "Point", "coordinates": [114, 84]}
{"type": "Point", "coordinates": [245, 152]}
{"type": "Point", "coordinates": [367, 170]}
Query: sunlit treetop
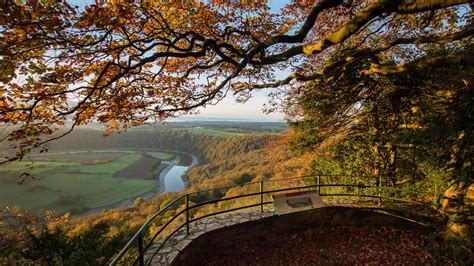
{"type": "Point", "coordinates": [126, 62]}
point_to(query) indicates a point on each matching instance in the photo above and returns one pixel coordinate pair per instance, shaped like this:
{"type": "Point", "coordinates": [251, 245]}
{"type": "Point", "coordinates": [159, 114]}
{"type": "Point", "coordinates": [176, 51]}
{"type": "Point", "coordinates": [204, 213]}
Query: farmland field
{"type": "Point", "coordinates": [76, 181]}
{"type": "Point", "coordinates": [78, 157]}
{"type": "Point", "coordinates": [160, 155]}
{"type": "Point", "coordinates": [140, 169]}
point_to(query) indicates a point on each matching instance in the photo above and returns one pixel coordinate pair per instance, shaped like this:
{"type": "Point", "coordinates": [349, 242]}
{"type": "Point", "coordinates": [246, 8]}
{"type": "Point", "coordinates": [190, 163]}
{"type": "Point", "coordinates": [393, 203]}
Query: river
{"type": "Point", "coordinates": [173, 179]}
{"type": "Point", "coordinates": [170, 179]}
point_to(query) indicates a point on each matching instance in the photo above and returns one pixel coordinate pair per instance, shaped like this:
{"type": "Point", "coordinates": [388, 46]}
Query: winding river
{"type": "Point", "coordinates": [173, 179]}
{"type": "Point", "coordinates": [170, 179]}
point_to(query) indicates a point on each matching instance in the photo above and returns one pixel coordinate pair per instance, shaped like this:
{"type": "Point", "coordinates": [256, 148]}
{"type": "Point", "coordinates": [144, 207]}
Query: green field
{"type": "Point", "coordinates": [161, 155]}
{"type": "Point", "coordinates": [79, 157]}
{"type": "Point", "coordinates": [73, 184]}
{"type": "Point", "coordinates": [213, 132]}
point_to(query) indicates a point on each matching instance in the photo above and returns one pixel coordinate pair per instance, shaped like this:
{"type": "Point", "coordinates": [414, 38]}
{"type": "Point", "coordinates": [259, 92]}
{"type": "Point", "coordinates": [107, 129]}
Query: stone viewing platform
{"type": "Point", "coordinates": [179, 241]}
{"type": "Point", "coordinates": [233, 231]}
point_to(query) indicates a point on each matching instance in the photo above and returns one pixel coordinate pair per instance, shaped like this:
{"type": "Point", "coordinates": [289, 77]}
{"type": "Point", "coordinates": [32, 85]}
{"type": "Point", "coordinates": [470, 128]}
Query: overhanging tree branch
{"type": "Point", "coordinates": [426, 62]}
{"type": "Point", "coordinates": [367, 53]}
{"type": "Point", "coordinates": [373, 10]}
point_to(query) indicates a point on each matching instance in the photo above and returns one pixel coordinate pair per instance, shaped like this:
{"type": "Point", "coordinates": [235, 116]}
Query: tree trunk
{"type": "Point", "coordinates": [376, 146]}
{"type": "Point", "coordinates": [392, 161]}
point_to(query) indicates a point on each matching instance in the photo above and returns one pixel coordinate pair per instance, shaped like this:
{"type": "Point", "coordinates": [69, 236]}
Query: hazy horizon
{"type": "Point", "coordinates": [229, 109]}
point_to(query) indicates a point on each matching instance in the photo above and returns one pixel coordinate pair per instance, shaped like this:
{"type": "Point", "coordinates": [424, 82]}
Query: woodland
{"type": "Point", "coordinates": [370, 89]}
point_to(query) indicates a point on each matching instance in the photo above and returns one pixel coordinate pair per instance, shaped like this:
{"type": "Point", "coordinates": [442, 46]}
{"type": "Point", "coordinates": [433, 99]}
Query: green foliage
{"type": "Point", "coordinates": [244, 178]}
{"type": "Point", "coordinates": [403, 125]}
{"type": "Point", "coordinates": [350, 158]}
{"type": "Point", "coordinates": [413, 130]}
{"type": "Point", "coordinates": [94, 246]}
{"type": "Point", "coordinates": [55, 242]}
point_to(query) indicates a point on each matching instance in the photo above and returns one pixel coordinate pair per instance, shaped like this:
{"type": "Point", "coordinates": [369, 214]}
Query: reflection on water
{"type": "Point", "coordinates": [173, 180]}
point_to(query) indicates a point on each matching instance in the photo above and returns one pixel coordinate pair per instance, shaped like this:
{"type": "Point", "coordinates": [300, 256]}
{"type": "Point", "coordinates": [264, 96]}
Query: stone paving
{"type": "Point", "coordinates": [180, 240]}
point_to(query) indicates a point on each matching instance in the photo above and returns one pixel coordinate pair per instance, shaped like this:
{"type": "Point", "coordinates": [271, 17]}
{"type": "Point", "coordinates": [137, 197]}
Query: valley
{"type": "Point", "coordinates": [78, 181]}
{"type": "Point", "coordinates": [85, 173]}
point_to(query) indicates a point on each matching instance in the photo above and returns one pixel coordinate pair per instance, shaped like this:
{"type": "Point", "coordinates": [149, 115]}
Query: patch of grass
{"type": "Point", "coordinates": [94, 183]}
{"type": "Point", "coordinates": [35, 168]}
{"type": "Point", "coordinates": [98, 189]}
{"type": "Point", "coordinates": [27, 196]}
{"type": "Point", "coordinates": [75, 157]}
{"type": "Point", "coordinates": [161, 155]}
{"type": "Point", "coordinates": [110, 167]}
{"type": "Point", "coordinates": [113, 151]}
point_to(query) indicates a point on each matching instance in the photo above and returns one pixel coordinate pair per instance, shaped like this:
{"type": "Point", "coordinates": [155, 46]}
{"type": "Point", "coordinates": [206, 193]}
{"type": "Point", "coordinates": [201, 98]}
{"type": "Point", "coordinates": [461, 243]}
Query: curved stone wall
{"type": "Point", "coordinates": [270, 227]}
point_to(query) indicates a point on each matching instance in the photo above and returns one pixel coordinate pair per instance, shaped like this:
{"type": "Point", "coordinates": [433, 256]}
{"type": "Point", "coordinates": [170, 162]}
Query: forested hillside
{"type": "Point", "coordinates": [208, 148]}
{"type": "Point", "coordinates": [225, 161]}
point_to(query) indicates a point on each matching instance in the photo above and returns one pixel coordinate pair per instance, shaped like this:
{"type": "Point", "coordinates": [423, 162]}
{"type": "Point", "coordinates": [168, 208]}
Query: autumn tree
{"type": "Point", "coordinates": [126, 62]}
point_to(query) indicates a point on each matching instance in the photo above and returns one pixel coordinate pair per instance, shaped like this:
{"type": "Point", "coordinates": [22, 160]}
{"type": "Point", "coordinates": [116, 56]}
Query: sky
{"type": "Point", "coordinates": [228, 108]}
{"type": "Point", "coordinates": [252, 109]}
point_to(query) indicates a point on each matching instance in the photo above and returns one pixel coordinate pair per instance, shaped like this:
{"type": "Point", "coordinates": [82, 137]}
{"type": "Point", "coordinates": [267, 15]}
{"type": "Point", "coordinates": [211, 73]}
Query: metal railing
{"type": "Point", "coordinates": [135, 250]}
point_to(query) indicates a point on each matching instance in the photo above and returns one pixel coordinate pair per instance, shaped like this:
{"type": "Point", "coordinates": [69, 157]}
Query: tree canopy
{"type": "Point", "coordinates": [126, 62]}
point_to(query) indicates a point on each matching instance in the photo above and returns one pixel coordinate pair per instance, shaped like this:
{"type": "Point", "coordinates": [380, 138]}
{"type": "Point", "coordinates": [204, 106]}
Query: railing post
{"type": "Point", "coordinates": [141, 261]}
{"type": "Point", "coordinates": [187, 213]}
{"type": "Point", "coordinates": [261, 196]}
